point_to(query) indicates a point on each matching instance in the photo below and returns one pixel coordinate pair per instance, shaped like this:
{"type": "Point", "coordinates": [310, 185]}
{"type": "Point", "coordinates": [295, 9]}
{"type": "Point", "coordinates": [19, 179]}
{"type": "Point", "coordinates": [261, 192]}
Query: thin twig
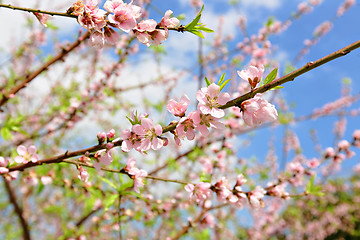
{"type": "Point", "coordinates": [38, 11]}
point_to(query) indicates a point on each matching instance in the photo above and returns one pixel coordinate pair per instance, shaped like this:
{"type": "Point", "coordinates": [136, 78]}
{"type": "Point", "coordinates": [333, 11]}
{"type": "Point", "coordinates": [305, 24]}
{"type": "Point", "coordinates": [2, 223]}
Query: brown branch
{"type": "Point", "coordinates": [29, 77]}
{"type": "Point", "coordinates": [291, 76]}
{"type": "Point", "coordinates": [38, 11]}
{"type": "Point", "coordinates": [62, 157]}
{"type": "Point", "coordinates": [18, 210]}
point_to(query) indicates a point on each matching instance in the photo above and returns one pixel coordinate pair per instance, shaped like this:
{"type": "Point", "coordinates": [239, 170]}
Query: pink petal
{"type": "Point", "coordinates": [213, 90]}
{"type": "Point", "coordinates": [31, 149]}
{"type": "Point", "coordinates": [21, 150]}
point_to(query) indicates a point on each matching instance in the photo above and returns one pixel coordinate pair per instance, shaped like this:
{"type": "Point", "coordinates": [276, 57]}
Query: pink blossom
{"type": "Point", "coordinates": [26, 154]}
{"type": "Point", "coordinates": [256, 196]}
{"type": "Point", "coordinates": [207, 221]}
{"type": "Point", "coordinates": [323, 28]}
{"type": "Point", "coordinates": [168, 22]}
{"type": "Point", "coordinates": [77, 8]}
{"type": "Point", "coordinates": [93, 18]}
{"type": "Point", "coordinates": [185, 127]}
{"type": "Point", "coordinates": [253, 75]}
{"type": "Point", "coordinates": [46, 180]}
{"type": "Point", "coordinates": [313, 163]}
{"type": "Point", "coordinates": [143, 30]}
{"type": "Point", "coordinates": [136, 174]}
{"type": "Point", "coordinates": [43, 18]}
{"type": "Point", "coordinates": [344, 7]}
{"type": "Point", "coordinates": [295, 167]}
{"type": "Point", "coordinates": [130, 141]}
{"type": "Point", "coordinates": [210, 99]}
{"type": "Point", "coordinates": [158, 36]}
{"type": "Point", "coordinates": [196, 3]}
{"type": "Point", "coordinates": [356, 135]}
{"type": "Point", "coordinates": [3, 162]}
{"type": "Point", "coordinates": [199, 192]}
{"type": "Point", "coordinates": [101, 136]}
{"type": "Point", "coordinates": [125, 15]}
{"type": "Point", "coordinates": [97, 39]}
{"type": "Point", "coordinates": [110, 135]}
{"type": "Point", "coordinates": [257, 110]}
{"type": "Point", "coordinates": [149, 134]}
{"type": "Point", "coordinates": [202, 122]}
{"type": "Point", "coordinates": [83, 174]}
{"type": "Point", "coordinates": [3, 165]}
{"type": "Point", "coordinates": [104, 156]}
{"type": "Point", "coordinates": [178, 108]}
{"type": "Point", "coordinates": [329, 152]}
{"type": "Point", "coordinates": [111, 36]}
{"type": "Point", "coordinates": [221, 189]}
{"type": "Point", "coordinates": [304, 8]}
{"type": "Point", "coordinates": [240, 180]}
{"type": "Point", "coordinates": [343, 145]}
{"type": "Point", "coordinates": [278, 190]}
{"type": "Point", "coordinates": [4, 170]}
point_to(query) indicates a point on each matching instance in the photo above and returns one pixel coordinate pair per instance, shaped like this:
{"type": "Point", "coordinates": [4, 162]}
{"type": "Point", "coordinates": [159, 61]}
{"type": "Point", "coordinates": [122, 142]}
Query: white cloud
{"type": "Point", "coordinates": [271, 4]}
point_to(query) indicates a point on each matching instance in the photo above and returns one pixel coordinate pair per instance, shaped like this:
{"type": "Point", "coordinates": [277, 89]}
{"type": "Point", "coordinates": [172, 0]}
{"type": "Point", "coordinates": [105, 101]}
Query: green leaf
{"type": "Point", "coordinates": [271, 76]}
{"type": "Point", "coordinates": [224, 84]}
{"type": "Point", "coordinates": [312, 189]}
{"type": "Point", "coordinates": [197, 33]}
{"type": "Point", "coordinates": [5, 133]}
{"type": "Point", "coordinates": [207, 81]}
{"type": "Point", "coordinates": [277, 87]}
{"type": "Point", "coordinates": [194, 22]}
{"type": "Point", "coordinates": [109, 183]}
{"type": "Point", "coordinates": [221, 79]}
{"type": "Point", "coordinates": [110, 201]}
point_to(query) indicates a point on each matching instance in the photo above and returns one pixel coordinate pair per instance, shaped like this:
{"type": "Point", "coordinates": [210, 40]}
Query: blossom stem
{"type": "Point", "coordinates": [38, 11]}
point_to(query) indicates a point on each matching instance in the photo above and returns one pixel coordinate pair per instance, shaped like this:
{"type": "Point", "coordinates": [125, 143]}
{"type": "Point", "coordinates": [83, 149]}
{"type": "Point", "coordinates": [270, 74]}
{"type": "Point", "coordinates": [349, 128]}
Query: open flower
{"type": "Point", "coordinates": [210, 99]}
{"type": "Point", "coordinates": [199, 192]}
{"type": "Point", "coordinates": [149, 134]}
{"type": "Point", "coordinates": [136, 174]}
{"type": "Point", "coordinates": [26, 154]}
{"type": "Point", "coordinates": [125, 15]}
{"type": "Point", "coordinates": [257, 110]}
{"type": "Point", "coordinates": [178, 108]}
{"type": "Point", "coordinates": [252, 75]}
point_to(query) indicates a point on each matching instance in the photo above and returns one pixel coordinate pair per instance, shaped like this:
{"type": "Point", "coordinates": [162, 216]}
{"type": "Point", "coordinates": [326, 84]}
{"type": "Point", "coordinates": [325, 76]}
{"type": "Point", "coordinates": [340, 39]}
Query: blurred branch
{"type": "Point", "coordinates": [18, 210]}
{"type": "Point", "coordinates": [29, 77]}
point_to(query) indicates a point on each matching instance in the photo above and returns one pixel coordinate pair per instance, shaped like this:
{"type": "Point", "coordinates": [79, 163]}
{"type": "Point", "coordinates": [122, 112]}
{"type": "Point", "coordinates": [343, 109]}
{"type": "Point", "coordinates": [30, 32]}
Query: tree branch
{"type": "Point", "coordinates": [38, 11]}
{"type": "Point", "coordinates": [18, 210]}
{"type": "Point", "coordinates": [29, 77]}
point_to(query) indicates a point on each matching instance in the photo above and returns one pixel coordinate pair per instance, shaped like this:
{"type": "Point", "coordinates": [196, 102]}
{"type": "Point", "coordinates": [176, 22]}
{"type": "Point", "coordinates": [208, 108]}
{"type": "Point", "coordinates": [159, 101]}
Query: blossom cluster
{"type": "Point", "coordinates": [235, 196]}
{"type": "Point", "coordinates": [122, 16]}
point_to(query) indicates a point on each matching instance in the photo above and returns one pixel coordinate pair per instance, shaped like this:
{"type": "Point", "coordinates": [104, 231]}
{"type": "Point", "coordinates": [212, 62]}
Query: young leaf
{"type": "Point", "coordinates": [207, 81]}
{"type": "Point", "coordinates": [194, 22]}
{"type": "Point", "coordinates": [221, 79]}
{"type": "Point", "coordinates": [271, 76]}
{"type": "Point", "coordinates": [277, 87]}
{"type": "Point", "coordinates": [224, 84]}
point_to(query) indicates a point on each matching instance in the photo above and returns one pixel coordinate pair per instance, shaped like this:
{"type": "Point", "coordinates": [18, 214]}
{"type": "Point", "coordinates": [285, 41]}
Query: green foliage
{"type": "Point", "coordinates": [12, 125]}
{"type": "Point", "coordinates": [195, 27]}
{"type": "Point", "coordinates": [222, 82]}
{"type": "Point", "coordinates": [313, 189]}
